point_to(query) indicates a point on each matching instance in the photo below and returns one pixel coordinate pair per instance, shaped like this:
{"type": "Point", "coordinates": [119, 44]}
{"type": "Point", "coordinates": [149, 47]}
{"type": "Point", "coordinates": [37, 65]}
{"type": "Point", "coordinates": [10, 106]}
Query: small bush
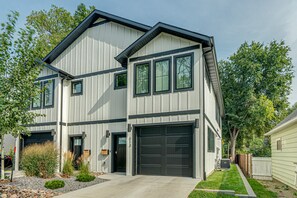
{"type": "Point", "coordinates": [85, 177]}
{"type": "Point", "coordinates": [68, 164]}
{"type": "Point", "coordinates": [54, 184]}
{"type": "Point", "coordinates": [40, 160]}
{"type": "Point", "coordinates": [83, 164]}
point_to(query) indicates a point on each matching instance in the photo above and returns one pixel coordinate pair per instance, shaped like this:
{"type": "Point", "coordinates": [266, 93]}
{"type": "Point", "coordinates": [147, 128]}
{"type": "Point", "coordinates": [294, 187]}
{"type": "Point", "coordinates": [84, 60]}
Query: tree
{"type": "Point", "coordinates": [292, 108]}
{"type": "Point", "coordinates": [255, 83]}
{"type": "Point", "coordinates": [53, 25]}
{"type": "Point", "coordinates": [18, 70]}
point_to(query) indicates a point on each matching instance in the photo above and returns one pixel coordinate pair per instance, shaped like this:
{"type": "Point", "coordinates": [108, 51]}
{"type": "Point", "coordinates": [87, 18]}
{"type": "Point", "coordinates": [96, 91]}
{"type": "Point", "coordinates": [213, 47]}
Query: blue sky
{"type": "Point", "coordinates": [231, 22]}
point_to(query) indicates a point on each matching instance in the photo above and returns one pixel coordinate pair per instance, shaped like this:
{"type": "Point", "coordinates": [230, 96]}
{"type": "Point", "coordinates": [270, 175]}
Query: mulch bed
{"type": "Point", "coordinates": [34, 187]}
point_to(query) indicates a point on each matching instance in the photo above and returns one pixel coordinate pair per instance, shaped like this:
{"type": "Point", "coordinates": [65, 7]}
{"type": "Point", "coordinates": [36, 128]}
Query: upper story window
{"type": "Point", "coordinates": [162, 72]}
{"type": "Point", "coordinates": [211, 141]}
{"type": "Point", "coordinates": [36, 101]}
{"type": "Point", "coordinates": [207, 79]}
{"type": "Point", "coordinates": [218, 116]}
{"type": "Point", "coordinates": [77, 87]}
{"type": "Point", "coordinates": [279, 145]}
{"type": "Point", "coordinates": [183, 67]}
{"type": "Point", "coordinates": [48, 94]}
{"type": "Point", "coordinates": [142, 78]}
{"type": "Point", "coordinates": [120, 80]}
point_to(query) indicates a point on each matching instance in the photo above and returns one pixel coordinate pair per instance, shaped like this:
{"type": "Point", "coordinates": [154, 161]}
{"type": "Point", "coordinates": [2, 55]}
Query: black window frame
{"type": "Point", "coordinates": [115, 80]}
{"type": "Point", "coordinates": [82, 87]}
{"type": "Point", "coordinates": [53, 96]}
{"type": "Point", "coordinates": [279, 145]}
{"type": "Point", "coordinates": [218, 113]}
{"type": "Point", "coordinates": [191, 54]}
{"type": "Point", "coordinates": [207, 77]}
{"type": "Point", "coordinates": [210, 150]}
{"type": "Point", "coordinates": [40, 95]}
{"type": "Point", "coordinates": [169, 59]}
{"type": "Point", "coordinates": [149, 79]}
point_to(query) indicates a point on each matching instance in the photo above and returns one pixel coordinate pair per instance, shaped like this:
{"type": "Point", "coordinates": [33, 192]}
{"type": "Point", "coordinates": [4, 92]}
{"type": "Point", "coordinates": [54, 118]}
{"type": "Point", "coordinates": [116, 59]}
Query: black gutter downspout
{"type": "Point", "coordinates": [61, 126]}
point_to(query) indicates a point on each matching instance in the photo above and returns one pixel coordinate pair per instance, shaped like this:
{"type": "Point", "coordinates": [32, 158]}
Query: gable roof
{"type": "Point", "coordinates": [155, 31]}
{"type": "Point", "coordinates": [288, 121]}
{"type": "Point", "coordinates": [55, 69]}
{"type": "Point", "coordinates": [207, 45]}
{"type": "Point", "coordinates": [85, 24]}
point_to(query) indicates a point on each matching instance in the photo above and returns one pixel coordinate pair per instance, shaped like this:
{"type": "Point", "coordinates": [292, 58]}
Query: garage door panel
{"type": "Point", "coordinates": [165, 150]}
{"type": "Point", "coordinates": [37, 138]}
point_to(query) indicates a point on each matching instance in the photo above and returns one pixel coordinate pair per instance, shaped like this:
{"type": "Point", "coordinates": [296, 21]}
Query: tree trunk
{"type": "Point", "coordinates": [2, 157]}
{"type": "Point", "coordinates": [233, 137]}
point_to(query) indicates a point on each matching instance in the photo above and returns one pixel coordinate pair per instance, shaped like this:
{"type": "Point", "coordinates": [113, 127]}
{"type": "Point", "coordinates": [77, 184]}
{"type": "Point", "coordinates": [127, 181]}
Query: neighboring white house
{"type": "Point", "coordinates": [139, 99]}
{"type": "Point", "coordinates": [284, 150]}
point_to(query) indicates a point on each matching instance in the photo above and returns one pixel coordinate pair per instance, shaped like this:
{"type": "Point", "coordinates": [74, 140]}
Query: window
{"type": "Point", "coordinates": [162, 75]}
{"type": "Point", "coordinates": [279, 144]}
{"type": "Point", "coordinates": [120, 80]}
{"type": "Point", "coordinates": [142, 79]}
{"type": "Point", "coordinates": [48, 95]}
{"type": "Point", "coordinates": [77, 87]}
{"type": "Point", "coordinates": [36, 101]}
{"type": "Point", "coordinates": [207, 79]}
{"type": "Point", "coordinates": [211, 141]}
{"type": "Point", "coordinates": [183, 72]}
{"type": "Point", "coordinates": [218, 116]}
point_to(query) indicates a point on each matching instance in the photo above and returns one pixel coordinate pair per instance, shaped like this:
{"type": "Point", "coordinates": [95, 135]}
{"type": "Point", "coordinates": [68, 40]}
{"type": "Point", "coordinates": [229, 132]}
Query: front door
{"type": "Point", "coordinates": [119, 154]}
{"type": "Point", "coordinates": [76, 147]}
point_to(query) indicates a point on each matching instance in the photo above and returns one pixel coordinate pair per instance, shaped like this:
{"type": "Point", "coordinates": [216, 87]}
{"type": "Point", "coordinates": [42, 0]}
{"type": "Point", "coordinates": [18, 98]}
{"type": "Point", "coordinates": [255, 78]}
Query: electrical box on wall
{"type": "Point", "coordinates": [104, 152]}
{"type": "Point", "coordinates": [87, 152]}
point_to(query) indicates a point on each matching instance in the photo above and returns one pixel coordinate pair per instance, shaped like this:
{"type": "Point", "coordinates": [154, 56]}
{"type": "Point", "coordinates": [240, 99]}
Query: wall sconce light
{"type": "Point", "coordinates": [84, 135]}
{"type": "Point", "coordinates": [196, 123]}
{"type": "Point", "coordinates": [53, 132]}
{"type": "Point", "coordinates": [107, 134]}
{"type": "Point", "coordinates": [129, 127]}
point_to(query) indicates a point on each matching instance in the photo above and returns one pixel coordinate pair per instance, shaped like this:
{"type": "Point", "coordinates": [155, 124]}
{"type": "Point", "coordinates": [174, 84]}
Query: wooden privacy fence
{"type": "Point", "coordinates": [244, 161]}
{"type": "Point", "coordinates": [256, 167]}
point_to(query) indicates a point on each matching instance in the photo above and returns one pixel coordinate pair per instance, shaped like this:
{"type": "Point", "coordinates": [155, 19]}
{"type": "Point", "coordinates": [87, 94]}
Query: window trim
{"type": "Point", "coordinates": [149, 79]}
{"type": "Point", "coordinates": [191, 54]}
{"type": "Point", "coordinates": [82, 88]}
{"type": "Point", "coordinates": [169, 75]}
{"type": "Point", "coordinates": [35, 108]}
{"type": "Point", "coordinates": [115, 80]}
{"type": "Point", "coordinates": [281, 144]}
{"type": "Point", "coordinates": [209, 130]}
{"type": "Point", "coordinates": [53, 97]}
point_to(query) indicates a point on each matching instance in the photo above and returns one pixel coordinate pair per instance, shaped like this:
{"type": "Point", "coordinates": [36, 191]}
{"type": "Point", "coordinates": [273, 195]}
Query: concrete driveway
{"type": "Point", "coordinates": [137, 186]}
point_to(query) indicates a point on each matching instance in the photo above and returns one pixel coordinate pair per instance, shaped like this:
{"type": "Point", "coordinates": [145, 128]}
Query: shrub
{"type": "Point", "coordinates": [83, 164]}
{"type": "Point", "coordinates": [85, 177]}
{"type": "Point", "coordinates": [54, 184]}
{"type": "Point", "coordinates": [40, 160]}
{"type": "Point", "coordinates": [68, 164]}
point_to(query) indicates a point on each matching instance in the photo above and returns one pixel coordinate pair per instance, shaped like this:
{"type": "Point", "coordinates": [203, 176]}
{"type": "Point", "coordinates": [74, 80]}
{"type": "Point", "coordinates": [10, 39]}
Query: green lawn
{"type": "Point", "coordinates": [260, 190]}
{"type": "Point", "coordinates": [201, 194]}
{"type": "Point", "coordinates": [224, 180]}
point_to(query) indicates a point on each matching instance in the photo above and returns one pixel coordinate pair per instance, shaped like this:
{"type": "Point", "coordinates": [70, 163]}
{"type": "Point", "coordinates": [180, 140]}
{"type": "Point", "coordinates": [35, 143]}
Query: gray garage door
{"type": "Point", "coordinates": [37, 138]}
{"type": "Point", "coordinates": [165, 150]}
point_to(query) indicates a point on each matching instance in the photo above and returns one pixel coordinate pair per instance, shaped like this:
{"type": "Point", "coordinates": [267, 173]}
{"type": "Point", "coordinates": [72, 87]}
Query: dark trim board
{"type": "Point", "coordinates": [100, 72]}
{"type": "Point", "coordinates": [172, 113]}
{"type": "Point", "coordinates": [97, 122]}
{"type": "Point", "coordinates": [42, 124]}
{"type": "Point", "coordinates": [170, 52]}
{"type": "Point", "coordinates": [99, 23]}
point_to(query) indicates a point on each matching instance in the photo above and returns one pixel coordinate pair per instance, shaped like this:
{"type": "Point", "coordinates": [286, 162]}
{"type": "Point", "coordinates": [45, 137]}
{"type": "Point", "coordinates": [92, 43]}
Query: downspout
{"type": "Point", "coordinates": [61, 126]}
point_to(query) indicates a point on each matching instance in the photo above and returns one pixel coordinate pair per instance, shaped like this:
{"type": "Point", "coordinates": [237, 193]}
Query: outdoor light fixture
{"type": "Point", "coordinates": [53, 132]}
{"type": "Point", "coordinates": [107, 134]}
{"type": "Point", "coordinates": [196, 123]}
{"type": "Point", "coordinates": [84, 135]}
{"type": "Point", "coordinates": [129, 127]}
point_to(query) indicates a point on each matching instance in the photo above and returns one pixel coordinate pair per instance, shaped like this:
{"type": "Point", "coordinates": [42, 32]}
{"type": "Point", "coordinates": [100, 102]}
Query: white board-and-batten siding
{"type": "Point", "coordinates": [167, 102]}
{"type": "Point", "coordinates": [283, 167]}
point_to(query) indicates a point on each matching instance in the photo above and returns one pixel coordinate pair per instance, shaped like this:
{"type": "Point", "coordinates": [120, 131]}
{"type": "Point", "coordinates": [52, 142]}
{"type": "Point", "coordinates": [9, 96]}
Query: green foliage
{"type": "Point", "coordinates": [255, 83]}
{"type": "Point", "coordinates": [40, 160]}
{"type": "Point", "coordinates": [82, 177]}
{"type": "Point", "coordinates": [83, 164]}
{"type": "Point", "coordinates": [68, 164]}
{"type": "Point", "coordinates": [54, 184]}
{"type": "Point", "coordinates": [53, 25]}
{"type": "Point", "coordinates": [260, 190]}
{"type": "Point", "coordinates": [260, 148]}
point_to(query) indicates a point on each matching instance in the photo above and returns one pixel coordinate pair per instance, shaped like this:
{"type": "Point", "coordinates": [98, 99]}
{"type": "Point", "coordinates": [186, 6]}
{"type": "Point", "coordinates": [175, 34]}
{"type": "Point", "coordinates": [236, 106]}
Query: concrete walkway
{"type": "Point", "coordinates": [137, 186]}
